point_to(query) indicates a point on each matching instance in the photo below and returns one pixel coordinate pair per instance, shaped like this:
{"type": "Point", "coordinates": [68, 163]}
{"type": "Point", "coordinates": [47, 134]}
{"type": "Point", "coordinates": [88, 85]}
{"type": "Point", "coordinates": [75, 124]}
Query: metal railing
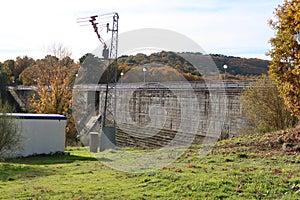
{"type": "Point", "coordinates": [153, 85]}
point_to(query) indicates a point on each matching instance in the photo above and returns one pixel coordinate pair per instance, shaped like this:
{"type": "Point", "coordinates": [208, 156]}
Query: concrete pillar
{"type": "Point", "coordinates": [94, 142]}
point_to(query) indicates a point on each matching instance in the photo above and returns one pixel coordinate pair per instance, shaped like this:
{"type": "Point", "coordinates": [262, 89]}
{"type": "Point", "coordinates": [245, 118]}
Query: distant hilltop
{"type": "Point", "coordinates": [241, 66]}
{"type": "Point", "coordinates": [237, 66]}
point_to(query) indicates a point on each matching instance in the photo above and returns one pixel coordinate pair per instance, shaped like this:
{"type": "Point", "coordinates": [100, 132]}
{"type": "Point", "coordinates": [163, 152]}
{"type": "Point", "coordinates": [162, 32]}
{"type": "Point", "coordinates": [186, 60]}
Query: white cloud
{"type": "Point", "coordinates": [219, 26]}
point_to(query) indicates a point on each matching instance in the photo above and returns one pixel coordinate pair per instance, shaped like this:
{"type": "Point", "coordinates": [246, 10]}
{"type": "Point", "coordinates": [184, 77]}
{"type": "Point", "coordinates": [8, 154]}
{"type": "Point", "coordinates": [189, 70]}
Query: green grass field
{"type": "Point", "coordinates": [248, 167]}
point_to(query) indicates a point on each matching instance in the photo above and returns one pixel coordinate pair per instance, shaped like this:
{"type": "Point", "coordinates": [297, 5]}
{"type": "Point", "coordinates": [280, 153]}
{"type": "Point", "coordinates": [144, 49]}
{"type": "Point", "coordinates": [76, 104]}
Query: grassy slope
{"type": "Point", "coordinates": [247, 167]}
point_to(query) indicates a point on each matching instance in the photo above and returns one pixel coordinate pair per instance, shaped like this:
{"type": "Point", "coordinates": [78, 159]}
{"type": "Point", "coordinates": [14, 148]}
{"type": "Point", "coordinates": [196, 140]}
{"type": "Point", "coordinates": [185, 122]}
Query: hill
{"type": "Point", "coordinates": [241, 66]}
{"type": "Point", "coordinates": [208, 65]}
{"type": "Point", "coordinates": [11, 71]}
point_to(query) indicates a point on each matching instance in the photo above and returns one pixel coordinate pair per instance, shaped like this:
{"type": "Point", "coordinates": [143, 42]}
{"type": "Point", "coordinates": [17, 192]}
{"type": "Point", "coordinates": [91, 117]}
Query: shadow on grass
{"type": "Point", "coordinates": [50, 159]}
{"type": "Point", "coordinates": [12, 172]}
{"type": "Point", "coordinates": [36, 166]}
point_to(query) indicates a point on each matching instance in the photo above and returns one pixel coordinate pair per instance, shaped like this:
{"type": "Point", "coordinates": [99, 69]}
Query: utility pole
{"type": "Point", "coordinates": [108, 123]}
{"type": "Point", "coordinates": [108, 136]}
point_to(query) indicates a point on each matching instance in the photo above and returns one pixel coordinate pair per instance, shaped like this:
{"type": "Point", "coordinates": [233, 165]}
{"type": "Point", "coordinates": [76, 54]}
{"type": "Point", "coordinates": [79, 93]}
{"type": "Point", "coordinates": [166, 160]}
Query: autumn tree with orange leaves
{"type": "Point", "coordinates": [285, 53]}
{"type": "Point", "coordinates": [54, 79]}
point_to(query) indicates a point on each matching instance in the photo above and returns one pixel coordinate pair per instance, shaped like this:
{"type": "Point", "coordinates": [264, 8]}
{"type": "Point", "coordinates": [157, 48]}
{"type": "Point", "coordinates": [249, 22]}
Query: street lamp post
{"type": "Point", "coordinates": [122, 77]}
{"type": "Point", "coordinates": [225, 67]}
{"type": "Point", "coordinates": [144, 70]}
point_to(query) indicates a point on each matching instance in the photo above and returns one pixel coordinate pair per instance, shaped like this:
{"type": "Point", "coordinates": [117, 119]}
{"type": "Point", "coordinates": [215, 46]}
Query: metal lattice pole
{"type": "Point", "coordinates": [108, 136]}
{"type": "Point", "coordinates": [112, 72]}
{"type": "Point", "coordinates": [110, 54]}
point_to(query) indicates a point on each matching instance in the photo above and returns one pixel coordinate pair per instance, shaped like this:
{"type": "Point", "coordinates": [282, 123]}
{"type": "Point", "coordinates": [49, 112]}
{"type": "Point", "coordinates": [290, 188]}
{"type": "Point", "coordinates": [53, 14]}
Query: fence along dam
{"type": "Point", "coordinates": [151, 115]}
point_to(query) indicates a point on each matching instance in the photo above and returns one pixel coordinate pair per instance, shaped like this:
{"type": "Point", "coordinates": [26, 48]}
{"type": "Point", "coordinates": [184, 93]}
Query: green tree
{"type": "Point", "coordinates": [10, 138]}
{"type": "Point", "coordinates": [92, 70]}
{"type": "Point", "coordinates": [13, 68]}
{"type": "Point", "coordinates": [7, 67]}
{"type": "Point", "coordinates": [20, 65]}
{"type": "Point", "coordinates": [264, 108]}
{"type": "Point", "coordinates": [3, 84]}
{"type": "Point", "coordinates": [285, 53]}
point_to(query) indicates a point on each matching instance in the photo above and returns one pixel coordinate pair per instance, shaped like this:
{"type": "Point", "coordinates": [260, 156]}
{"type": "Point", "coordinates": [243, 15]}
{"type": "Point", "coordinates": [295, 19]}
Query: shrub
{"type": "Point", "coordinates": [264, 108]}
{"type": "Point", "coordinates": [10, 137]}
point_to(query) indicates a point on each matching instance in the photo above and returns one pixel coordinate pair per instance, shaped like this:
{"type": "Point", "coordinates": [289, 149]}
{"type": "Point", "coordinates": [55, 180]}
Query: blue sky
{"type": "Point", "coordinates": [230, 27]}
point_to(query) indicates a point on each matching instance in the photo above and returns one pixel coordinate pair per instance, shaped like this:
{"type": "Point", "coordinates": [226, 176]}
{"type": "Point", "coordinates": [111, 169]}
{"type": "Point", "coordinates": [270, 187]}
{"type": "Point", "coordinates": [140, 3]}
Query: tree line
{"type": "Point", "coordinates": [25, 70]}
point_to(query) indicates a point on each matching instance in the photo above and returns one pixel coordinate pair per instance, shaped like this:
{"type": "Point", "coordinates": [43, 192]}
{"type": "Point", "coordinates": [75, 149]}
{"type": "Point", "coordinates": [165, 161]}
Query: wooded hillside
{"type": "Point", "coordinates": [13, 70]}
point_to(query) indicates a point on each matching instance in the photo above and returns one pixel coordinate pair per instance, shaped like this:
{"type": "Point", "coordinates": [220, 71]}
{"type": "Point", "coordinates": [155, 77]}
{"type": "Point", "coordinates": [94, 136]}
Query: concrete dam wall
{"type": "Point", "coordinates": [151, 115]}
{"type": "Point", "coordinates": [155, 114]}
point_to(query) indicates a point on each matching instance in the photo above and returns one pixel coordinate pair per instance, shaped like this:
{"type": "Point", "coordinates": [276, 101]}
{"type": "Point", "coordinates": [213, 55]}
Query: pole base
{"type": "Point", "coordinates": [108, 138]}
